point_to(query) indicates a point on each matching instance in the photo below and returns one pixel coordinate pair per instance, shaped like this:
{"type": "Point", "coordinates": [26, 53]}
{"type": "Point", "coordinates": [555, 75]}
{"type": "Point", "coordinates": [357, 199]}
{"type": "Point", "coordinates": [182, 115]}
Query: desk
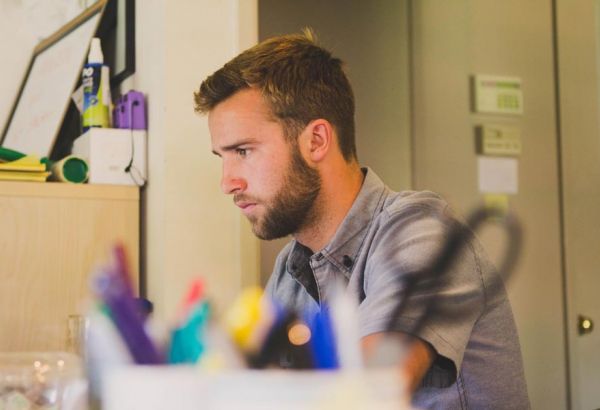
{"type": "Point", "coordinates": [52, 235]}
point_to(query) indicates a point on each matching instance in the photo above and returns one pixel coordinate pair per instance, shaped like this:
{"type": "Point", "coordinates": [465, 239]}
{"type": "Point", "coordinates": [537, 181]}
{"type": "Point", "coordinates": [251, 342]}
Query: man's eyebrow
{"type": "Point", "coordinates": [234, 146]}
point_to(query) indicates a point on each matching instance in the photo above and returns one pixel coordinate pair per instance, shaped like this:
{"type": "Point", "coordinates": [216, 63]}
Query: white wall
{"type": "Point", "coordinates": [191, 228]}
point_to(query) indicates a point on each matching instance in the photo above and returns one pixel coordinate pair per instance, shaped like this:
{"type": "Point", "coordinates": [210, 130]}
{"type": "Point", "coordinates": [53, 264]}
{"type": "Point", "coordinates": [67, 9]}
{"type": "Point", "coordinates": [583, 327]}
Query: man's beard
{"type": "Point", "coordinates": [293, 205]}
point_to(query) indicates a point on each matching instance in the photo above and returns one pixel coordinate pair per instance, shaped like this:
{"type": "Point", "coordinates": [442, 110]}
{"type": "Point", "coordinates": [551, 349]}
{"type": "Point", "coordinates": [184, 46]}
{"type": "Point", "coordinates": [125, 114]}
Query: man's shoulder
{"type": "Point", "coordinates": [413, 204]}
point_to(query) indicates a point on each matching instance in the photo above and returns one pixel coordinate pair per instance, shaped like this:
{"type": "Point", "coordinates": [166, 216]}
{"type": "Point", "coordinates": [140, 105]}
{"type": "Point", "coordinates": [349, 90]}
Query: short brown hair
{"type": "Point", "coordinates": [300, 81]}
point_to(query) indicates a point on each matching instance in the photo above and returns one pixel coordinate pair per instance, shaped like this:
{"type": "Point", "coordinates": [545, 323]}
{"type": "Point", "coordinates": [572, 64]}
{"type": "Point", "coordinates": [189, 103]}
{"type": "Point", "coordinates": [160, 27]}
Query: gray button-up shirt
{"type": "Point", "coordinates": [386, 236]}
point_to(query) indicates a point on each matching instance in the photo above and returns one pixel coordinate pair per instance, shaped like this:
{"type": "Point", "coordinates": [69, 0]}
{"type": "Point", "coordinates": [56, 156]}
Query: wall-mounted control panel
{"type": "Point", "coordinates": [496, 94]}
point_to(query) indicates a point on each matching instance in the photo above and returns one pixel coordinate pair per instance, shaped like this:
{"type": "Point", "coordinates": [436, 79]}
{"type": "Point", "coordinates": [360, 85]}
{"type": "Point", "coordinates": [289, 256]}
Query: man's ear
{"type": "Point", "coordinates": [318, 139]}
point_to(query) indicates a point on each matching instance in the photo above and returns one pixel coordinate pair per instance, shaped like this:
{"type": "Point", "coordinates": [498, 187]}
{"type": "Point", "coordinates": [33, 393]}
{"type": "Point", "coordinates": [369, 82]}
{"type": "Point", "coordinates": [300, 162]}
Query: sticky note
{"type": "Point", "coordinates": [498, 175]}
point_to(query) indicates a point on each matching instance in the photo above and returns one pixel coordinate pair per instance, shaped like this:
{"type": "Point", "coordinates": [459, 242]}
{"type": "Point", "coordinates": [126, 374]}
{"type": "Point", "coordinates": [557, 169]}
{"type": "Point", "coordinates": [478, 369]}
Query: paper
{"type": "Point", "coordinates": [27, 163]}
{"type": "Point", "coordinates": [498, 175]}
{"type": "Point", "coordinates": [24, 176]}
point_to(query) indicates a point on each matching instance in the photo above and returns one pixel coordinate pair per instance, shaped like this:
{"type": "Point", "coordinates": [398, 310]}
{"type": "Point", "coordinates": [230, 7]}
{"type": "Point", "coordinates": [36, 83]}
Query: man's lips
{"type": "Point", "coordinates": [245, 206]}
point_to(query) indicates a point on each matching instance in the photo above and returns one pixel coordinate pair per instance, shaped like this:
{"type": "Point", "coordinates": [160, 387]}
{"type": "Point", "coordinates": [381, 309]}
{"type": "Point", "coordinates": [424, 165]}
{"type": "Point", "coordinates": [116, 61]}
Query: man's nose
{"type": "Point", "coordinates": [232, 184]}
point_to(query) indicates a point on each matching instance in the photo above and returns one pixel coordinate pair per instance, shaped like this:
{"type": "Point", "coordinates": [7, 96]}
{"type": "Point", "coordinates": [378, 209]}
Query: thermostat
{"type": "Point", "coordinates": [497, 95]}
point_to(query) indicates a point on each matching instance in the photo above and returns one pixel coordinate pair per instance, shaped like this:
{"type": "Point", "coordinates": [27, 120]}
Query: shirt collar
{"type": "Point", "coordinates": [345, 245]}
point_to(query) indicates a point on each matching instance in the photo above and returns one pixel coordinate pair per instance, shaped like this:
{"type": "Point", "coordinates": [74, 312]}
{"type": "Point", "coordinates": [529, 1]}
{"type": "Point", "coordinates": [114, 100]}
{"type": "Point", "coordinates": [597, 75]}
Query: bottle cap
{"type": "Point", "coordinates": [95, 55]}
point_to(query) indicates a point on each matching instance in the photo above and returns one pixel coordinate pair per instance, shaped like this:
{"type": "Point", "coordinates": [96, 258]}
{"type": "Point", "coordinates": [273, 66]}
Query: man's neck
{"type": "Point", "coordinates": [338, 191]}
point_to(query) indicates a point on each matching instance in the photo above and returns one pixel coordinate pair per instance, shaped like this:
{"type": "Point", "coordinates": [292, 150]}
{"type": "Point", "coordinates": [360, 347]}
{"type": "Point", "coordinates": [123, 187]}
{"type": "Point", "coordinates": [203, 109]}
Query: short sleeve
{"type": "Point", "coordinates": [406, 242]}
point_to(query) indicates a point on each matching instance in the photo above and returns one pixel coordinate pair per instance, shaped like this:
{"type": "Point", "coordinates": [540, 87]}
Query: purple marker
{"type": "Point", "coordinates": [116, 292]}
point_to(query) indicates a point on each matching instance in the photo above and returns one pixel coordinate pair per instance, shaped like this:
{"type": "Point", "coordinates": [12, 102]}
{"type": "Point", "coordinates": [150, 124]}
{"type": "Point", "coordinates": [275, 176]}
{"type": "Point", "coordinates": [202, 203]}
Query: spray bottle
{"type": "Point", "coordinates": [96, 89]}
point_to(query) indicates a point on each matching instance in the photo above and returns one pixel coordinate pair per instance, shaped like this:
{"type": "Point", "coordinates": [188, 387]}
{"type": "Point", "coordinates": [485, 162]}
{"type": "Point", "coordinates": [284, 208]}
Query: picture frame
{"type": "Point", "coordinates": [45, 93]}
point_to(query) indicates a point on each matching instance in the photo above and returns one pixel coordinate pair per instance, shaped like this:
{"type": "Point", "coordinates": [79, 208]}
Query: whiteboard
{"type": "Point", "coordinates": [44, 97]}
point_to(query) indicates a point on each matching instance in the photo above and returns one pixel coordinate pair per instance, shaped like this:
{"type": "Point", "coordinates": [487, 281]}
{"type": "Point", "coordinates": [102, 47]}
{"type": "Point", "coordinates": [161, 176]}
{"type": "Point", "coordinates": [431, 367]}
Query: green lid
{"type": "Point", "coordinates": [75, 170]}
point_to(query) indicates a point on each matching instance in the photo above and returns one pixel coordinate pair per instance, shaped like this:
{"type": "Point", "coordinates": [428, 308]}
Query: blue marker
{"type": "Point", "coordinates": [323, 341]}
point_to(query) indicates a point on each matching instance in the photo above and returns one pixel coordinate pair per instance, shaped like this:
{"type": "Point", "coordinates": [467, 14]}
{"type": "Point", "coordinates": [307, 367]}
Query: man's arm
{"type": "Point", "coordinates": [416, 362]}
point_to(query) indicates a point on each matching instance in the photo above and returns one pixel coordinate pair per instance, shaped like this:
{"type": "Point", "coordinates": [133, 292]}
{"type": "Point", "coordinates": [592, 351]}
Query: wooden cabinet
{"type": "Point", "coordinates": [51, 237]}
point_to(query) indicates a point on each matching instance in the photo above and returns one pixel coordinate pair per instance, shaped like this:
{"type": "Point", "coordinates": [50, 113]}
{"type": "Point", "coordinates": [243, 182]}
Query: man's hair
{"type": "Point", "coordinates": [299, 80]}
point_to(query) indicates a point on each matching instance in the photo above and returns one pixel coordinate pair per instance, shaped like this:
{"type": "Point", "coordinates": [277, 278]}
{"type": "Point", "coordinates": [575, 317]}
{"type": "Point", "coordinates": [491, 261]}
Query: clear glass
{"type": "Point", "coordinates": [77, 326]}
{"type": "Point", "coordinates": [42, 381]}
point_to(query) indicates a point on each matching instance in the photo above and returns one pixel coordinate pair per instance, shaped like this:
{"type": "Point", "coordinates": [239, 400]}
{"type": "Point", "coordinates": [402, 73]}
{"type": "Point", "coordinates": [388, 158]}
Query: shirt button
{"type": "Point", "coordinates": [347, 261]}
{"type": "Point", "coordinates": [319, 256]}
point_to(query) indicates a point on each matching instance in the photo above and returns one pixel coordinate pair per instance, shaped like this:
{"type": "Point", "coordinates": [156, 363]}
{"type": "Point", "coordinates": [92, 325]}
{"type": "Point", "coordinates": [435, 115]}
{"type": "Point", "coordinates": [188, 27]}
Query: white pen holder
{"type": "Point", "coordinates": [187, 387]}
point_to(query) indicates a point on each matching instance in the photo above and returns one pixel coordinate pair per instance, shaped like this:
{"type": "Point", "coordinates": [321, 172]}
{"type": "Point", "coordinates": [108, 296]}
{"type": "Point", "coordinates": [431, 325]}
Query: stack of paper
{"type": "Point", "coordinates": [27, 168]}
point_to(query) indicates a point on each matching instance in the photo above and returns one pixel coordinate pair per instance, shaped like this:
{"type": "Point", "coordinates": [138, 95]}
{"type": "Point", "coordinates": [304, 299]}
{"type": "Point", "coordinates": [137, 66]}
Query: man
{"type": "Point", "coordinates": [281, 117]}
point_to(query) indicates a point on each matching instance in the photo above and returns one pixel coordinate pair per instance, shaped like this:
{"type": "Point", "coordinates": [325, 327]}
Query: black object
{"type": "Point", "coordinates": [458, 236]}
{"type": "Point", "coordinates": [107, 31]}
{"type": "Point", "coordinates": [278, 351]}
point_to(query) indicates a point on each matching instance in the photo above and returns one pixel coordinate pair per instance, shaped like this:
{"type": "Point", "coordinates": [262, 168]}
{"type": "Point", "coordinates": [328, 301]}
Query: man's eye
{"type": "Point", "coordinates": [242, 152]}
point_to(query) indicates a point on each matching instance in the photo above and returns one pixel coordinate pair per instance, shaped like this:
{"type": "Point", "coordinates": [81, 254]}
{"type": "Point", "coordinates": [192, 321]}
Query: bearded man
{"type": "Point", "coordinates": [281, 118]}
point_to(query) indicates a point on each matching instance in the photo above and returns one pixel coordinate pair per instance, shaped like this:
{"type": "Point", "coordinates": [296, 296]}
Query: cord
{"type": "Point", "coordinates": [134, 173]}
{"type": "Point", "coordinates": [458, 237]}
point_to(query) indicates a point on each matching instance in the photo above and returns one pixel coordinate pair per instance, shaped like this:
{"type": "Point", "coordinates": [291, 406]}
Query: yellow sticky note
{"type": "Point", "coordinates": [496, 201]}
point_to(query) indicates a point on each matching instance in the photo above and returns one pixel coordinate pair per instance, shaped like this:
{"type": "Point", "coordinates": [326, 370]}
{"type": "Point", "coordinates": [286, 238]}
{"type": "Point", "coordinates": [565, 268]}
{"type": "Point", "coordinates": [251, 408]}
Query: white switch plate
{"type": "Point", "coordinates": [498, 140]}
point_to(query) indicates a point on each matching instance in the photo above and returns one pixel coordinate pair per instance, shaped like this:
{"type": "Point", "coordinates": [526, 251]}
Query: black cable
{"type": "Point", "coordinates": [459, 235]}
{"type": "Point", "coordinates": [139, 180]}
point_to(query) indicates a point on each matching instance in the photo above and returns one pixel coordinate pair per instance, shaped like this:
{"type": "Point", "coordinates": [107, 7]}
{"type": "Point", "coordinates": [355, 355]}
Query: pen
{"type": "Point", "coordinates": [323, 341]}
{"type": "Point", "coordinates": [187, 341]}
{"type": "Point", "coordinates": [115, 290]}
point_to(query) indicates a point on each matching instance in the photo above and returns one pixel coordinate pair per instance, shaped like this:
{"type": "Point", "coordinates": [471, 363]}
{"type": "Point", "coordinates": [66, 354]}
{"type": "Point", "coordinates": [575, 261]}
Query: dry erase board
{"type": "Point", "coordinates": [52, 74]}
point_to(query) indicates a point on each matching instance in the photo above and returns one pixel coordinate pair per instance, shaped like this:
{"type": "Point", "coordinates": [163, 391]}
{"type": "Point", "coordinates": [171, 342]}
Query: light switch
{"type": "Point", "coordinates": [498, 140]}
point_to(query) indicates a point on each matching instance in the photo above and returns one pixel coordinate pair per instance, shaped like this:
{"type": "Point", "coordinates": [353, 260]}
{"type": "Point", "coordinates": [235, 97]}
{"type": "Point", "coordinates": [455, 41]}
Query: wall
{"type": "Point", "coordinates": [372, 39]}
{"type": "Point", "coordinates": [453, 40]}
{"type": "Point", "coordinates": [191, 228]}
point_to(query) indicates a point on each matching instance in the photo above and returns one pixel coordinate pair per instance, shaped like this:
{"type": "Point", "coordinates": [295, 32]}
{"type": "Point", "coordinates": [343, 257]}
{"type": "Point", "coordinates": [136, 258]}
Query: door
{"type": "Point", "coordinates": [578, 35]}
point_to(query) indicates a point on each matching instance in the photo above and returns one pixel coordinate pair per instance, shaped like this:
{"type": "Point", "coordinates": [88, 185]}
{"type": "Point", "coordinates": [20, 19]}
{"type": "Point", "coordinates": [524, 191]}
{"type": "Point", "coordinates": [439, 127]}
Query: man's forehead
{"type": "Point", "coordinates": [246, 107]}
{"type": "Point", "coordinates": [245, 100]}
{"type": "Point", "coordinates": [241, 118]}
